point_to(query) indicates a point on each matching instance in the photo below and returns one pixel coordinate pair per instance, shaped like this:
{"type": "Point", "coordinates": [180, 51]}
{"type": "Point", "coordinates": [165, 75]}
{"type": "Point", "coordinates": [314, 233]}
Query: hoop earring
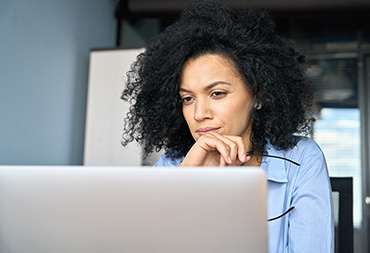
{"type": "Point", "coordinates": [258, 106]}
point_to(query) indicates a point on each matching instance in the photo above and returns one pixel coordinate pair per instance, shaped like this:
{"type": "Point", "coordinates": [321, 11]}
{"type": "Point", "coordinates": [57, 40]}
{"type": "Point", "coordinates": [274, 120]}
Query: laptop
{"type": "Point", "coordinates": [132, 209]}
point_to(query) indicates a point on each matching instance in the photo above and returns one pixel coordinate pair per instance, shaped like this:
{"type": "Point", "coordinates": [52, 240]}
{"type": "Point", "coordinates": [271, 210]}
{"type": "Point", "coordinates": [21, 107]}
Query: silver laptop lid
{"type": "Point", "coordinates": [132, 209]}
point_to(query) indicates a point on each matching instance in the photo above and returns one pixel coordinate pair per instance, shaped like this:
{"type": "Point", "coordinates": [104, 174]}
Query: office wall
{"type": "Point", "coordinates": [44, 58]}
{"type": "Point", "coordinates": [103, 140]}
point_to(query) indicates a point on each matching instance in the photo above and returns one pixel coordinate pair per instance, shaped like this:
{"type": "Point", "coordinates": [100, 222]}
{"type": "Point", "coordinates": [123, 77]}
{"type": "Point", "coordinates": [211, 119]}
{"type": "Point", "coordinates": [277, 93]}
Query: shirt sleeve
{"type": "Point", "coordinates": [311, 224]}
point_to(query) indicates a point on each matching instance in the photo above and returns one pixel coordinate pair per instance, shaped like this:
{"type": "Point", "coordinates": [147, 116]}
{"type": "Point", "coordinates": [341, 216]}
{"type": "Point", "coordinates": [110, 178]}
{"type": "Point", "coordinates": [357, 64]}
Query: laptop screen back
{"type": "Point", "coordinates": [132, 209]}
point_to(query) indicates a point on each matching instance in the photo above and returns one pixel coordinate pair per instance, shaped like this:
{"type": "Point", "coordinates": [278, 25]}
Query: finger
{"type": "Point", "coordinates": [238, 151]}
{"type": "Point", "coordinates": [232, 147]}
{"type": "Point", "coordinates": [242, 150]}
{"type": "Point", "coordinates": [242, 163]}
{"type": "Point", "coordinates": [210, 143]}
{"type": "Point", "coordinates": [222, 162]}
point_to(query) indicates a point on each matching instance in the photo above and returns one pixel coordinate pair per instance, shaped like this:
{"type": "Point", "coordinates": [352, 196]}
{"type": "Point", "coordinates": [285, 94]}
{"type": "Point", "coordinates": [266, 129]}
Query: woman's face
{"type": "Point", "coordinates": [215, 98]}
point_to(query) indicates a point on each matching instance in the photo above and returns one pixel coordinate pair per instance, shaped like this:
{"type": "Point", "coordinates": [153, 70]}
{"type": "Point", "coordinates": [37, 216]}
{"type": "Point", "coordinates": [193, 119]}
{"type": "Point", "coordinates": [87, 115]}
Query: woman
{"type": "Point", "coordinates": [220, 88]}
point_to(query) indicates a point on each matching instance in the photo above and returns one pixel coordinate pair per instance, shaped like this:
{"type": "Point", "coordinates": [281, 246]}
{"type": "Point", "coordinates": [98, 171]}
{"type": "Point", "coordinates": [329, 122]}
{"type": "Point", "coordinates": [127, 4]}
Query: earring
{"type": "Point", "coordinates": [258, 106]}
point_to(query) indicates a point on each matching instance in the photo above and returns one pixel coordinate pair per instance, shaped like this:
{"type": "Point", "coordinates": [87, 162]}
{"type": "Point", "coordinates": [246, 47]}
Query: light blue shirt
{"type": "Point", "coordinates": [309, 227]}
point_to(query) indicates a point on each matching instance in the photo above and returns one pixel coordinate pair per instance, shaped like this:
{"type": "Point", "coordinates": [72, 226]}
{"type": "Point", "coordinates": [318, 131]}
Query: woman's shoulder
{"type": "Point", "coordinates": [307, 146]}
{"type": "Point", "coordinates": [309, 154]}
{"type": "Point", "coordinates": [310, 160]}
{"type": "Point", "coordinates": [304, 145]}
{"type": "Point", "coordinates": [305, 149]}
{"type": "Point", "coordinates": [166, 161]}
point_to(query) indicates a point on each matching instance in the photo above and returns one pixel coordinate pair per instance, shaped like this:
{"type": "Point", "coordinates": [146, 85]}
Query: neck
{"type": "Point", "coordinates": [253, 161]}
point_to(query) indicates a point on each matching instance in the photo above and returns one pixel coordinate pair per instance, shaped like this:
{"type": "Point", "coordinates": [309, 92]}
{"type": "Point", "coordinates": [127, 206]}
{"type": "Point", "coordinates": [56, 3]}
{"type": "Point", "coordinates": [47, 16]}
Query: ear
{"type": "Point", "coordinates": [257, 99]}
{"type": "Point", "coordinates": [257, 106]}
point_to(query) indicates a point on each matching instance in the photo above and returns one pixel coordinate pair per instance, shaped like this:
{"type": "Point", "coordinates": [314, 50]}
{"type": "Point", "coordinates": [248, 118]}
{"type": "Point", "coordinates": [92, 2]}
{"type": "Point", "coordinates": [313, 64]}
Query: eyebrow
{"type": "Point", "coordinates": [210, 86]}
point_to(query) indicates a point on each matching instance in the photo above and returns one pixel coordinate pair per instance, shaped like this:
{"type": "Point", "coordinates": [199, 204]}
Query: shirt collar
{"type": "Point", "coordinates": [274, 167]}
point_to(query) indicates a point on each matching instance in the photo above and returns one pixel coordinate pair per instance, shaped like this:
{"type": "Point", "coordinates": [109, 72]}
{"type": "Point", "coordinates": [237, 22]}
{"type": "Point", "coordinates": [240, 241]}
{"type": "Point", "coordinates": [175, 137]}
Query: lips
{"type": "Point", "coordinates": [206, 130]}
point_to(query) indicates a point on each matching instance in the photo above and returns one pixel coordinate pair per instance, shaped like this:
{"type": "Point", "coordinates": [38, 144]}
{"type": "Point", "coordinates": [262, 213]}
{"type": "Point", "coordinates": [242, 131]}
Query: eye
{"type": "Point", "coordinates": [187, 100]}
{"type": "Point", "coordinates": [218, 94]}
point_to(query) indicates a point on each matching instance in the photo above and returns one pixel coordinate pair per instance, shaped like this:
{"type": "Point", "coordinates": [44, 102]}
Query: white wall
{"type": "Point", "coordinates": [44, 56]}
{"type": "Point", "coordinates": [106, 110]}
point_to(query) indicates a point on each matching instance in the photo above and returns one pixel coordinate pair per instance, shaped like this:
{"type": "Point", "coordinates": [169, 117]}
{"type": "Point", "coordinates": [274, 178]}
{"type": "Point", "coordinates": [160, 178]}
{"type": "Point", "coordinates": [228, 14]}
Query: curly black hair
{"type": "Point", "coordinates": [269, 65]}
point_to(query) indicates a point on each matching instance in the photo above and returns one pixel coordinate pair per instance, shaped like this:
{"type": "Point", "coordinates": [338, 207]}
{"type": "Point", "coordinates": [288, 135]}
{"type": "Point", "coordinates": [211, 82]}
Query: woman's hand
{"type": "Point", "coordinates": [216, 150]}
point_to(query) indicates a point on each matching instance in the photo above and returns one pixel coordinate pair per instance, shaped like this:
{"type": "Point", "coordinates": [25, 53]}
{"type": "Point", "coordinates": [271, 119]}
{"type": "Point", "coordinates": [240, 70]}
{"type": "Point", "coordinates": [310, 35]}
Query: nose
{"type": "Point", "coordinates": [202, 110]}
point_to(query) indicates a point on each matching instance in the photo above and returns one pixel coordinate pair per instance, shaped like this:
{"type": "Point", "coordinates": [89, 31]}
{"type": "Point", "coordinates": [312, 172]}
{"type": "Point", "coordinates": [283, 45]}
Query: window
{"type": "Point", "coordinates": [337, 129]}
{"type": "Point", "coordinates": [338, 134]}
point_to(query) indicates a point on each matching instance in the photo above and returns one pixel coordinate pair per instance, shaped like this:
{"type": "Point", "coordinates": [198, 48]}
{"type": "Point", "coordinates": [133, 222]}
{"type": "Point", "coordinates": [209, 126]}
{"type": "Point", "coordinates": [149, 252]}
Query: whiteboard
{"type": "Point", "coordinates": [106, 110]}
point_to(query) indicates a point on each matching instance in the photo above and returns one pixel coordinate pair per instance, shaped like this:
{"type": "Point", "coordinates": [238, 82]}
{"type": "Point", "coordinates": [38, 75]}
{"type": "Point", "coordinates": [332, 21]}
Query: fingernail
{"type": "Point", "coordinates": [244, 157]}
{"type": "Point", "coordinates": [229, 160]}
